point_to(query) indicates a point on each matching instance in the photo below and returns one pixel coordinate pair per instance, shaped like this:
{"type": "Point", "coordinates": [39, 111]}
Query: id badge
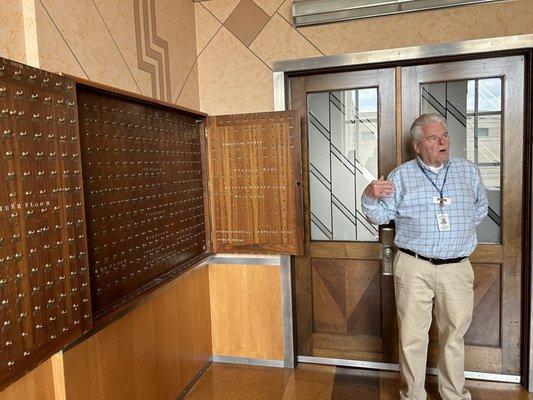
{"type": "Point", "coordinates": [443, 221]}
{"type": "Point", "coordinates": [445, 201]}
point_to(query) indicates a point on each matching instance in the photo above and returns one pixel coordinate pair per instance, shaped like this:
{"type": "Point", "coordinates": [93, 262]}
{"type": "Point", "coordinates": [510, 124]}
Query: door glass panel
{"type": "Point", "coordinates": [343, 148]}
{"type": "Point", "coordinates": [472, 109]}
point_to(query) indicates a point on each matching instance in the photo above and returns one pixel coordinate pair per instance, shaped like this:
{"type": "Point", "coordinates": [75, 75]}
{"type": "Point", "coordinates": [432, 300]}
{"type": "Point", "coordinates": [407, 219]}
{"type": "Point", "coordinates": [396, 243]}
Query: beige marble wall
{"type": "Point", "coordinates": [235, 74]}
{"type": "Point", "coordinates": [12, 44]}
{"type": "Point", "coordinates": [143, 46]}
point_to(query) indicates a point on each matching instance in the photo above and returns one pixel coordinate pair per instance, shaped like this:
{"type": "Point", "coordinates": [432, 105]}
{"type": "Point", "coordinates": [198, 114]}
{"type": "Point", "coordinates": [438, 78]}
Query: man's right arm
{"type": "Point", "coordinates": [380, 209]}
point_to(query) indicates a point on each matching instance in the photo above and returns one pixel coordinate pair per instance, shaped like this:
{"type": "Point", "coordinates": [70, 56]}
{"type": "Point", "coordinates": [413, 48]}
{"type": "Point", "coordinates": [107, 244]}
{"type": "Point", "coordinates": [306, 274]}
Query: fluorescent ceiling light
{"type": "Point", "coordinates": [312, 12]}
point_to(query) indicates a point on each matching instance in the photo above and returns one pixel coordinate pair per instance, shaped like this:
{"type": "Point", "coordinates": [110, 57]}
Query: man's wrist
{"type": "Point", "coordinates": [368, 201]}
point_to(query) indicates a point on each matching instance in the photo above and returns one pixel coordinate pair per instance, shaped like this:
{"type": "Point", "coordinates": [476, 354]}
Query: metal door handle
{"type": "Point", "coordinates": [386, 238]}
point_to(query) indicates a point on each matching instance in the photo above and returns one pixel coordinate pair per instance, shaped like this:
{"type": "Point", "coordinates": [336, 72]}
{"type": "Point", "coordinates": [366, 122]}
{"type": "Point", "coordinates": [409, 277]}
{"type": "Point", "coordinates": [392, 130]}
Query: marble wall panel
{"type": "Point", "coordinates": [221, 9]}
{"type": "Point", "coordinates": [176, 38]}
{"type": "Point", "coordinates": [420, 28]}
{"type": "Point", "coordinates": [279, 40]}
{"type": "Point", "coordinates": [12, 44]}
{"type": "Point", "coordinates": [232, 79]}
{"type": "Point", "coordinates": [294, 44]}
{"type": "Point", "coordinates": [143, 46]}
{"type": "Point", "coordinates": [269, 6]}
{"type": "Point", "coordinates": [206, 26]}
{"type": "Point", "coordinates": [86, 35]}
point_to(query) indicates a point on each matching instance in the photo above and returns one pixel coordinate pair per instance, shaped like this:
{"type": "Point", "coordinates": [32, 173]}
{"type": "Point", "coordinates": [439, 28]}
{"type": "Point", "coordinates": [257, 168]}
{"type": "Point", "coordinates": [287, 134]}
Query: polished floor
{"type": "Point", "coordinates": [315, 382]}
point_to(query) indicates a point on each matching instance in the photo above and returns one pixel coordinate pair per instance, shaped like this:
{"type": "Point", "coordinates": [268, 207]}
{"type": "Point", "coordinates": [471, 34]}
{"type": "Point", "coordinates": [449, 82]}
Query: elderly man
{"type": "Point", "coordinates": [436, 202]}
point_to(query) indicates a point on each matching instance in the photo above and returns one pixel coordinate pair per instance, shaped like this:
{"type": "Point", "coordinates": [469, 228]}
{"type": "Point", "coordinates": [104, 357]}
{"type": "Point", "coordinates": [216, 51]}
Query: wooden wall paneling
{"type": "Point", "coordinates": [255, 183]}
{"type": "Point", "coordinates": [150, 353]}
{"type": "Point", "coordinates": [144, 193]}
{"type": "Point", "coordinates": [58, 374]}
{"type": "Point", "coordinates": [194, 329]}
{"type": "Point", "coordinates": [37, 384]}
{"type": "Point", "coordinates": [44, 283]}
{"type": "Point", "coordinates": [251, 295]}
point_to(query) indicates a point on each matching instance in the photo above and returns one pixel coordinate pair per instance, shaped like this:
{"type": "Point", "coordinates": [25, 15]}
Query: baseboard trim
{"type": "Point", "coordinates": [249, 361]}
{"type": "Point", "coordinates": [482, 376]}
{"type": "Point", "coordinates": [194, 379]}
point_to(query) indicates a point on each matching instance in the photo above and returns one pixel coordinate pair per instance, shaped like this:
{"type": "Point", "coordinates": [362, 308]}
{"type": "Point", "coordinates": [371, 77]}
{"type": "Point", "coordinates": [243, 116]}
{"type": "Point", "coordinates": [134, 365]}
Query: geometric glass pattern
{"type": "Point", "coordinates": [343, 151]}
{"type": "Point", "coordinates": [473, 112]}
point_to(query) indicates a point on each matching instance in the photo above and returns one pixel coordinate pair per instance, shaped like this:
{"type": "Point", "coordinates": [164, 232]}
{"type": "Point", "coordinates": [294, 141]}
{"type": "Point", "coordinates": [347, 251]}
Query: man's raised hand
{"type": "Point", "coordinates": [380, 189]}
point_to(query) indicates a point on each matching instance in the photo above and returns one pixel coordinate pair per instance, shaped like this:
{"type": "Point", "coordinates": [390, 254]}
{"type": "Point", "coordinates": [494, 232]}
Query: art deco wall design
{"type": "Point", "coordinates": [238, 42]}
{"type": "Point", "coordinates": [143, 46]}
{"type": "Point", "coordinates": [148, 45]}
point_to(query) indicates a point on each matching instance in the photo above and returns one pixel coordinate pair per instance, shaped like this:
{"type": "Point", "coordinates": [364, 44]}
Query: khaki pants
{"type": "Point", "coordinates": [420, 285]}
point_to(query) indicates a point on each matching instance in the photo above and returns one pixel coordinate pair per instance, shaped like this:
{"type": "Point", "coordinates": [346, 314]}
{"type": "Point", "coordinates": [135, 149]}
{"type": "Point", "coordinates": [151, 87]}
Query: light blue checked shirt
{"type": "Point", "coordinates": [415, 213]}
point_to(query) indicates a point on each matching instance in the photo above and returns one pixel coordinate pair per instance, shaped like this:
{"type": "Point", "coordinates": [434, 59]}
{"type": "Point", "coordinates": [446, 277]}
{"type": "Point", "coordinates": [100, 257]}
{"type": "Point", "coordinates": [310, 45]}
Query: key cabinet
{"type": "Point", "coordinates": [45, 297]}
{"type": "Point", "coordinates": [107, 195]}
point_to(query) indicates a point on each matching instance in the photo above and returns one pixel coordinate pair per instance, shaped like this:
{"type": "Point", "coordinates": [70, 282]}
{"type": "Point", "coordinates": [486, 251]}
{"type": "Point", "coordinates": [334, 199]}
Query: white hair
{"type": "Point", "coordinates": [425, 119]}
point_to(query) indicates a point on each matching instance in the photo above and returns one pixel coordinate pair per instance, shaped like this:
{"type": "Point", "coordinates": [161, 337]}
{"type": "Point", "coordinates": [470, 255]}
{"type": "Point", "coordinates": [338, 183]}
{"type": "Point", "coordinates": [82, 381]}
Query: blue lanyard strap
{"type": "Point", "coordinates": [441, 190]}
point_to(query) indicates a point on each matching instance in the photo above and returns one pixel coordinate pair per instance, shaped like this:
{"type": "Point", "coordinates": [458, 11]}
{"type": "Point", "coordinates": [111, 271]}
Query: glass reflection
{"type": "Point", "coordinates": [472, 109]}
{"type": "Point", "coordinates": [343, 137]}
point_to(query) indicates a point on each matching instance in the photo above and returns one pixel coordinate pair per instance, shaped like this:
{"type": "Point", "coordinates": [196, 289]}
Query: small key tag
{"type": "Point", "coordinates": [443, 222]}
{"type": "Point", "coordinates": [445, 201]}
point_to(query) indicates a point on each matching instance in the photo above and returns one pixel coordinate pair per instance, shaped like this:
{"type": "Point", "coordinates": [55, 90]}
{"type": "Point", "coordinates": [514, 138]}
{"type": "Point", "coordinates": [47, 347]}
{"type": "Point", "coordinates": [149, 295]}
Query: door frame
{"type": "Point", "coordinates": [429, 54]}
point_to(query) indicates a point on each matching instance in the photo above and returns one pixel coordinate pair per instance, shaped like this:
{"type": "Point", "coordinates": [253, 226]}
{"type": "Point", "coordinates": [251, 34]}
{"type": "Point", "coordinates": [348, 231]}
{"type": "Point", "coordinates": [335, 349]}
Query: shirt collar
{"type": "Point", "coordinates": [431, 168]}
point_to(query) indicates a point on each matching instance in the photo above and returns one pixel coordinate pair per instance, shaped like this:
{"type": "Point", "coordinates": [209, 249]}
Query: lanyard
{"type": "Point", "coordinates": [441, 190]}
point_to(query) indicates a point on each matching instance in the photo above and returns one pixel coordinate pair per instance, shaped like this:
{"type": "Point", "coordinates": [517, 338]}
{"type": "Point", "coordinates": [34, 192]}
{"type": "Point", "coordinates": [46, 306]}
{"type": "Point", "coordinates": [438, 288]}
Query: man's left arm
{"type": "Point", "coordinates": [482, 204]}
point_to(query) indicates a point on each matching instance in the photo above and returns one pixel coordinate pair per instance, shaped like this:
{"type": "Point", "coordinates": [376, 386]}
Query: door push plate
{"type": "Point", "coordinates": [386, 250]}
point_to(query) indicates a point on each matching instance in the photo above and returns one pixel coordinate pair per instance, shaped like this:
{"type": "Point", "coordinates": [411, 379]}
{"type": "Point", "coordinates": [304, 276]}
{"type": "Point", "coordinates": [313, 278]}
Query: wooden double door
{"type": "Point", "coordinates": [355, 127]}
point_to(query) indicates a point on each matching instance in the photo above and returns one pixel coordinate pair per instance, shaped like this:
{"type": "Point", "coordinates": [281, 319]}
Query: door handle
{"type": "Point", "coordinates": [386, 239]}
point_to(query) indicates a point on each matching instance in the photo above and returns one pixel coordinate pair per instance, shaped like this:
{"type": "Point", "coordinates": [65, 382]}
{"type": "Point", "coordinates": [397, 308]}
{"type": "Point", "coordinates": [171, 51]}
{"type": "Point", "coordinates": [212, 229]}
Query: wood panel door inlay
{"type": "Point", "coordinates": [346, 297]}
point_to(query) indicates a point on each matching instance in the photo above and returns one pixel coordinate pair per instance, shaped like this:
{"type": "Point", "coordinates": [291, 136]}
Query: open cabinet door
{"type": "Point", "coordinates": [255, 186]}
